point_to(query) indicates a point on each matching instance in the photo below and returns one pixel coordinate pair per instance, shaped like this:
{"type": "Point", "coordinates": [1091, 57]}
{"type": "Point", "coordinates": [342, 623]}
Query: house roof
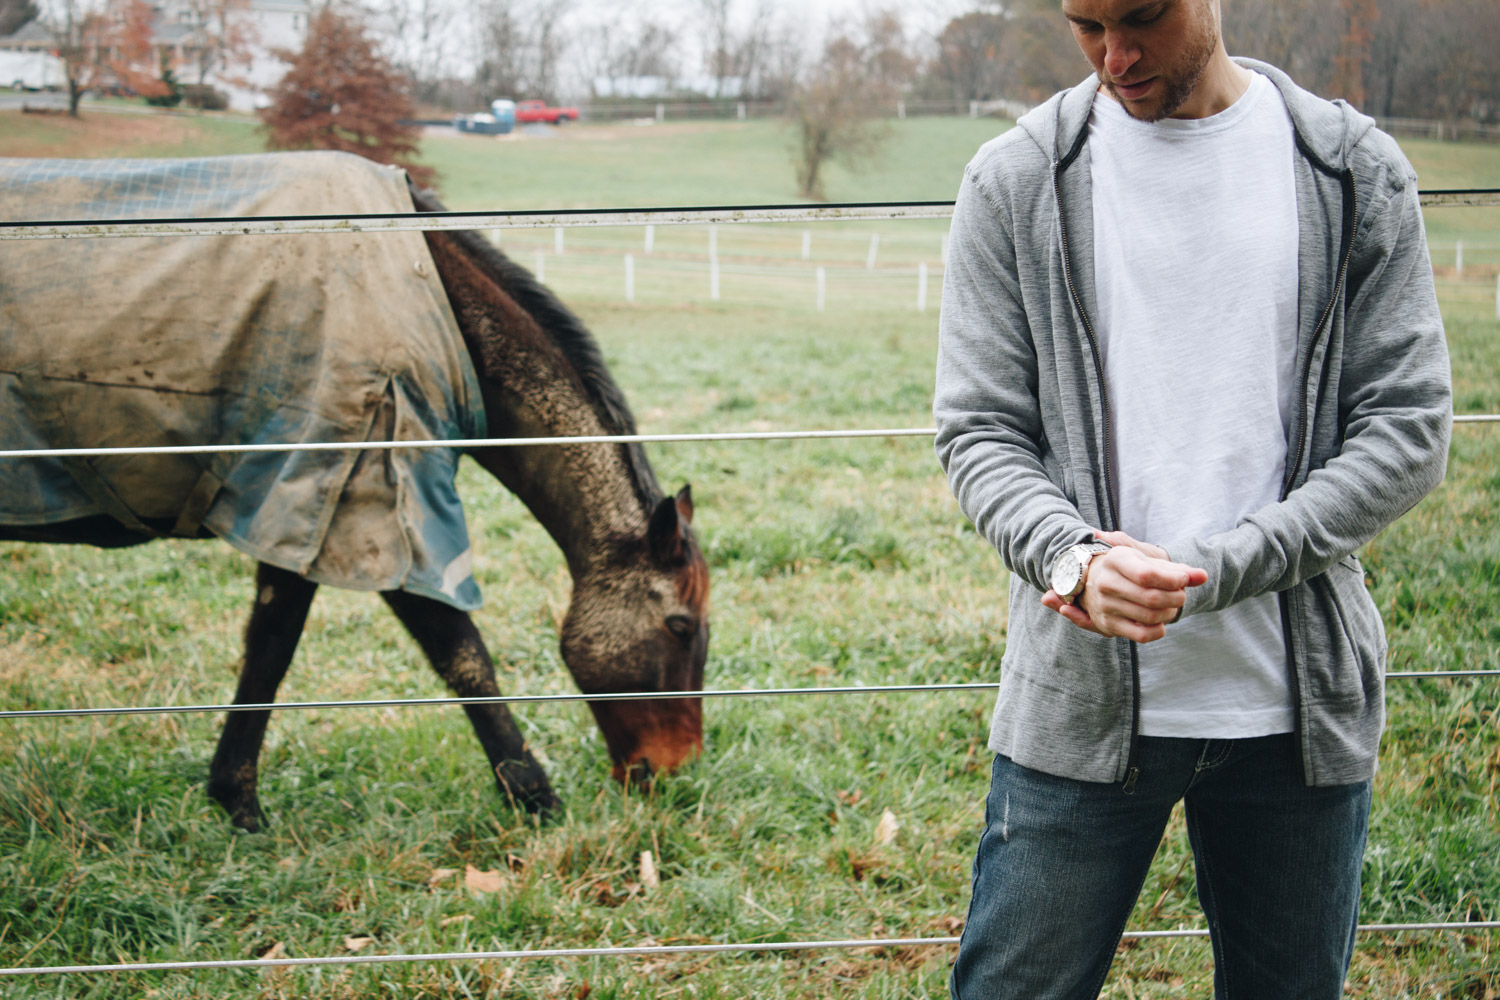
{"type": "Point", "coordinates": [32, 34]}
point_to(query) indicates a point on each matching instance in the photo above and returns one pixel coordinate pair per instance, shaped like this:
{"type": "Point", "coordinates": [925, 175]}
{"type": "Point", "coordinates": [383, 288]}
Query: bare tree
{"type": "Point", "coordinates": [836, 111]}
{"type": "Point", "coordinates": [419, 36]}
{"type": "Point", "coordinates": [520, 46]}
{"type": "Point", "coordinates": [716, 44]}
{"type": "Point", "coordinates": [970, 49]}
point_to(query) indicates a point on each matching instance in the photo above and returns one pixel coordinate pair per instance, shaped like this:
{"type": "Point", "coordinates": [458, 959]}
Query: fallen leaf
{"type": "Point", "coordinates": [287, 863]}
{"type": "Point", "coordinates": [440, 875]}
{"type": "Point", "coordinates": [480, 881]}
{"type": "Point", "coordinates": [356, 943]}
{"type": "Point", "coordinates": [277, 950]}
{"type": "Point", "coordinates": [456, 920]}
{"type": "Point", "coordinates": [649, 877]}
{"type": "Point", "coordinates": [885, 830]}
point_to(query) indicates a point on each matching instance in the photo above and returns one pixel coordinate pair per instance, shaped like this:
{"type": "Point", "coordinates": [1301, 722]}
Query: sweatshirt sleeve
{"type": "Point", "coordinates": [990, 438]}
{"type": "Point", "coordinates": [1395, 405]}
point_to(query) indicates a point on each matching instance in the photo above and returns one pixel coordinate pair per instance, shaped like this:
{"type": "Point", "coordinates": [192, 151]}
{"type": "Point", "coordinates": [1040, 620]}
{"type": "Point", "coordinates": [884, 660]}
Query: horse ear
{"type": "Point", "coordinates": [685, 503]}
{"type": "Point", "coordinates": [664, 533]}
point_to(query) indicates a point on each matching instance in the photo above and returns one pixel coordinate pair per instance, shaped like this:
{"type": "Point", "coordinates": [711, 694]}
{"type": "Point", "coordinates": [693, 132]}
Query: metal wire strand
{"type": "Point", "coordinates": [249, 225]}
{"type": "Point", "coordinates": [527, 442]}
{"type": "Point", "coordinates": [633, 952]}
{"type": "Point", "coordinates": [513, 699]}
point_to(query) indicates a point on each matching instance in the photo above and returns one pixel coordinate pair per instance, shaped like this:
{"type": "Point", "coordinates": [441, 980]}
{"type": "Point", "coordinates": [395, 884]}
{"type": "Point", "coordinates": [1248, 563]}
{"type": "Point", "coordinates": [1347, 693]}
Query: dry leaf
{"type": "Point", "coordinates": [277, 950]}
{"type": "Point", "coordinates": [287, 863]}
{"type": "Point", "coordinates": [885, 830]}
{"type": "Point", "coordinates": [356, 943]}
{"type": "Point", "coordinates": [456, 920]}
{"type": "Point", "coordinates": [480, 881]}
{"type": "Point", "coordinates": [649, 877]}
{"type": "Point", "coordinates": [440, 875]}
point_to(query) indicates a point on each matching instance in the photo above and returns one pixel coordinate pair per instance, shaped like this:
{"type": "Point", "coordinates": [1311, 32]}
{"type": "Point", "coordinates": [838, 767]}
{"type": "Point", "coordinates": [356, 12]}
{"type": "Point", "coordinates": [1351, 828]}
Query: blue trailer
{"type": "Point", "coordinates": [499, 120]}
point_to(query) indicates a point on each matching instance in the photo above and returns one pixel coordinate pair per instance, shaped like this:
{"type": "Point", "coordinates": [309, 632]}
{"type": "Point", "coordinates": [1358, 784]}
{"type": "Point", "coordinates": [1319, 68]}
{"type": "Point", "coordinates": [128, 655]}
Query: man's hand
{"type": "Point", "coordinates": [1132, 590]}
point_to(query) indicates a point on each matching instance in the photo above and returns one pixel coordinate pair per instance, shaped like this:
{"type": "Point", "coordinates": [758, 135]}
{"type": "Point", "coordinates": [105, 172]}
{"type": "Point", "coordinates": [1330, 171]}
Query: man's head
{"type": "Point", "coordinates": [1158, 58]}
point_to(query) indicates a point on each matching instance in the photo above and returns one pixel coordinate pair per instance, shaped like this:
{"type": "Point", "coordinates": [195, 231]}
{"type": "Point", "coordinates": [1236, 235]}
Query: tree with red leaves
{"type": "Point", "coordinates": [341, 94]}
{"type": "Point", "coordinates": [104, 45]}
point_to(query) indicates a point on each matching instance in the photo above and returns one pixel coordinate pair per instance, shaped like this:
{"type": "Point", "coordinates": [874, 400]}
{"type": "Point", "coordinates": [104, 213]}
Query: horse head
{"type": "Point", "coordinates": [638, 621]}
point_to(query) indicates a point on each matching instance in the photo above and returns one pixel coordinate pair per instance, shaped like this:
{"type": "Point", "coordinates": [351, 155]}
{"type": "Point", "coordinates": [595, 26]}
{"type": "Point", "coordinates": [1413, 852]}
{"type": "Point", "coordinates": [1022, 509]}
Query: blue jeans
{"type": "Point", "coordinates": [1061, 862]}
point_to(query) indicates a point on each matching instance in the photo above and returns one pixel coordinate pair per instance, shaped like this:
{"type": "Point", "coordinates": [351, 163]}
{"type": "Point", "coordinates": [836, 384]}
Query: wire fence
{"type": "Point", "coordinates": [281, 225]}
{"type": "Point", "coordinates": [639, 951]}
{"type": "Point", "coordinates": [71, 229]}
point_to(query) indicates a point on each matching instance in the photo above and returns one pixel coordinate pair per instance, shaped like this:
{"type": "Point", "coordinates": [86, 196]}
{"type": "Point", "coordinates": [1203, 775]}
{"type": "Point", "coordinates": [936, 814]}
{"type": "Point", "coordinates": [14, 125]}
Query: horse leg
{"type": "Point", "coordinates": [282, 599]}
{"type": "Point", "coordinates": [458, 654]}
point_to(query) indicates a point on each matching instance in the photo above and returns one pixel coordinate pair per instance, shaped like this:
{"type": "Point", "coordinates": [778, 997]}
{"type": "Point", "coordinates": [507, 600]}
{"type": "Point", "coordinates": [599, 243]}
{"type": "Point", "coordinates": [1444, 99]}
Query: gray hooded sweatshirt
{"type": "Point", "coordinates": [1022, 430]}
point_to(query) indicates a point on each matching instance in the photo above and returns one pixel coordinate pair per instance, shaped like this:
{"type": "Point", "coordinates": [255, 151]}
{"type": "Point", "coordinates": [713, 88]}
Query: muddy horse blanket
{"type": "Point", "coordinates": [192, 340]}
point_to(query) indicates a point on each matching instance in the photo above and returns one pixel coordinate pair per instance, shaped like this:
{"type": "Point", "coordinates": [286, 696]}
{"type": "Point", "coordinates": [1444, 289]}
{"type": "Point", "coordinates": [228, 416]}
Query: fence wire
{"type": "Point", "coordinates": [527, 442]}
{"type": "Point", "coordinates": [281, 225]}
{"type": "Point", "coordinates": [519, 699]}
{"type": "Point", "coordinates": [634, 952]}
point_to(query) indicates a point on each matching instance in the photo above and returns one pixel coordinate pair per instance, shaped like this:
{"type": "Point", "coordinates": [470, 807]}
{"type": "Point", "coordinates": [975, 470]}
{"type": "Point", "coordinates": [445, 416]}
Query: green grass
{"type": "Point", "coordinates": [840, 562]}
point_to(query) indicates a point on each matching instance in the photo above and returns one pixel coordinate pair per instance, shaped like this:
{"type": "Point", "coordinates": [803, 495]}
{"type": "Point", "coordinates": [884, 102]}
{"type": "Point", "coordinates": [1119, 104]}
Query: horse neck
{"type": "Point", "coordinates": [585, 494]}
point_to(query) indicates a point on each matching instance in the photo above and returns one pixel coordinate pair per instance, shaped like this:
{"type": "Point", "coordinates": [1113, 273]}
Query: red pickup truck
{"type": "Point", "coordinates": [537, 111]}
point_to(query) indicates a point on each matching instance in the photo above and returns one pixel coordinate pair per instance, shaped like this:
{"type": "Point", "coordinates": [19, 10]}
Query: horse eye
{"type": "Point", "coordinates": [682, 626]}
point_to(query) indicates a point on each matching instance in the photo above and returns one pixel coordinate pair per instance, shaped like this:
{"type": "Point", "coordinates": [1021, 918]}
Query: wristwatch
{"type": "Point", "coordinates": [1069, 570]}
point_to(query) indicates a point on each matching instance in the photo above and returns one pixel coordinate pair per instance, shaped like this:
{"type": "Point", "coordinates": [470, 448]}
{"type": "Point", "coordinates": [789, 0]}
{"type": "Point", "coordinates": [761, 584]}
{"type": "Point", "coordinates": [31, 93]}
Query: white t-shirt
{"type": "Point", "coordinates": [1195, 258]}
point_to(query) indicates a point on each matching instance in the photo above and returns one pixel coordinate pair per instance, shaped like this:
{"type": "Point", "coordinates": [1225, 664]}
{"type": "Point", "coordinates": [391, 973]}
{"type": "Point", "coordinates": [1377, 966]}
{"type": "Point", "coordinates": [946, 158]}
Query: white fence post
{"type": "Point", "coordinates": [874, 249]}
{"type": "Point", "coordinates": [901, 109]}
{"type": "Point", "coordinates": [945, 249]}
{"type": "Point", "coordinates": [740, 110]}
{"type": "Point", "coordinates": [807, 244]}
{"type": "Point", "coordinates": [1458, 253]}
{"type": "Point", "coordinates": [713, 278]}
{"type": "Point", "coordinates": [713, 242]}
{"type": "Point", "coordinates": [922, 286]}
{"type": "Point", "coordinates": [541, 266]}
{"type": "Point", "coordinates": [557, 241]}
{"type": "Point", "coordinates": [629, 278]}
{"type": "Point", "coordinates": [822, 289]}
{"type": "Point", "coordinates": [661, 112]}
{"type": "Point", "coordinates": [650, 237]}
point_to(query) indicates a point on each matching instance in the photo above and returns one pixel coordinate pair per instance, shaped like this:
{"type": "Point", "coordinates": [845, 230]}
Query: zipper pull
{"type": "Point", "coordinates": [1130, 778]}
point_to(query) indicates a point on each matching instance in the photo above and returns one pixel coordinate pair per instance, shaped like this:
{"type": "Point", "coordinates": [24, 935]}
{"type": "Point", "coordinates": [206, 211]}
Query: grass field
{"type": "Point", "coordinates": [834, 563]}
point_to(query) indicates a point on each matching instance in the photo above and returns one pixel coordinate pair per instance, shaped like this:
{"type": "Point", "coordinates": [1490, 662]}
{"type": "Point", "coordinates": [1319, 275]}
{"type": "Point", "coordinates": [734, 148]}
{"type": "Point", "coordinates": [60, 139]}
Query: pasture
{"type": "Point", "coordinates": [833, 562]}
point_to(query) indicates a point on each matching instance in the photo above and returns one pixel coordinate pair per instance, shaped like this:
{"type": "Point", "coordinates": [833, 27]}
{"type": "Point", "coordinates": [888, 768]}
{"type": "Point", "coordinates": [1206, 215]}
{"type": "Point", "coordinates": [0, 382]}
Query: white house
{"type": "Point", "coordinates": [267, 25]}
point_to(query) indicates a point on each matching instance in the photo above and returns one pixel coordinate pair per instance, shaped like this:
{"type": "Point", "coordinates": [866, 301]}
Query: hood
{"type": "Point", "coordinates": [1325, 130]}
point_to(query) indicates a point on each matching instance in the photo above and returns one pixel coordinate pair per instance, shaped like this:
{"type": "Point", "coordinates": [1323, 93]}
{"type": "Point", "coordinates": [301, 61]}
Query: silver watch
{"type": "Point", "coordinates": [1070, 568]}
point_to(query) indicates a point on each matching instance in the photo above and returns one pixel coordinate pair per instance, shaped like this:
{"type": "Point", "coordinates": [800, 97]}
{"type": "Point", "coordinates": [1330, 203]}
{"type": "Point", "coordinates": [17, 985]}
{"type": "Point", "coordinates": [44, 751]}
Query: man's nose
{"type": "Point", "coordinates": [1120, 53]}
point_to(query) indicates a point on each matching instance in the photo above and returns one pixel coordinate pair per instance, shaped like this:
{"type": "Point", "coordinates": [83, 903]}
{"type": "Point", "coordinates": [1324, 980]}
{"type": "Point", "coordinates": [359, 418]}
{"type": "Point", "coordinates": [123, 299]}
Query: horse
{"type": "Point", "coordinates": [637, 620]}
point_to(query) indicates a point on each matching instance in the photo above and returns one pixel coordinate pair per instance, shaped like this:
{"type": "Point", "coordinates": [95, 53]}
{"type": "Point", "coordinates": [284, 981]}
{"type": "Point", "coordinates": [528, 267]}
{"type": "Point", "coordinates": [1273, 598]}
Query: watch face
{"type": "Point", "coordinates": [1066, 573]}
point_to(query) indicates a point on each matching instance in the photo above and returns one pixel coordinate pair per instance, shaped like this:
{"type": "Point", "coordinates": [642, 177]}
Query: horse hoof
{"type": "Point", "coordinates": [244, 810]}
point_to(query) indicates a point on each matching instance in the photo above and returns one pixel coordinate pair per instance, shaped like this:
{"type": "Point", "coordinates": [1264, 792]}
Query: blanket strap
{"type": "Point", "coordinates": [195, 508]}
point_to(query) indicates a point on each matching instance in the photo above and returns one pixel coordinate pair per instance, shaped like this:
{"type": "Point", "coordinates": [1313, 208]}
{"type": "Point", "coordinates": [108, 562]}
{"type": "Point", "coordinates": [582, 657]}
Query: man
{"type": "Point", "coordinates": [1190, 360]}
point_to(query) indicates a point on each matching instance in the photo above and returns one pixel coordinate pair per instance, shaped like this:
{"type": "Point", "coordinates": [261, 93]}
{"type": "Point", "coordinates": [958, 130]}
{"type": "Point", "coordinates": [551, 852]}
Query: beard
{"type": "Point", "coordinates": [1178, 81]}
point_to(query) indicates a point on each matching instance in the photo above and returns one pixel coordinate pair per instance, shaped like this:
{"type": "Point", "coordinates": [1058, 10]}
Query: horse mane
{"type": "Point", "coordinates": [567, 333]}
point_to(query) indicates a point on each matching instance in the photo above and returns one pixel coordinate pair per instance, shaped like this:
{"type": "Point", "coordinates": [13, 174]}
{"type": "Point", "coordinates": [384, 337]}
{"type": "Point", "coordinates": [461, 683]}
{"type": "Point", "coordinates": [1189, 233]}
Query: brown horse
{"type": "Point", "coordinates": [637, 620]}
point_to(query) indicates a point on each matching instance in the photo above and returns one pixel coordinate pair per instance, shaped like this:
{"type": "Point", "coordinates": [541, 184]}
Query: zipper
{"type": "Point", "coordinates": [1132, 765]}
{"type": "Point", "coordinates": [1284, 599]}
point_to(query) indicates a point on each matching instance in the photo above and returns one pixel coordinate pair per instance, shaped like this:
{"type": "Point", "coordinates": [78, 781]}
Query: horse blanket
{"type": "Point", "coordinates": [344, 337]}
